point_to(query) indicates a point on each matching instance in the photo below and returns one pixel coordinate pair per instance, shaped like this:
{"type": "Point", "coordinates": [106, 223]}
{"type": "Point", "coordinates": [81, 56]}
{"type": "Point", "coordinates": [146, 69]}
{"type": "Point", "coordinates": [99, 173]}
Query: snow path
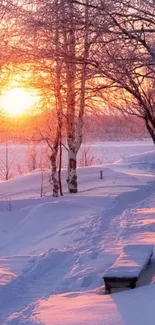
{"type": "Point", "coordinates": [32, 285]}
{"type": "Point", "coordinates": [118, 217]}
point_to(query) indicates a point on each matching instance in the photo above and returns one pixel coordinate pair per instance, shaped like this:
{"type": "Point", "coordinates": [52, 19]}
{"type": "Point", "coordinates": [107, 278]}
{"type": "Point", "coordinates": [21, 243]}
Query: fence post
{"type": "Point", "coordinates": [101, 174]}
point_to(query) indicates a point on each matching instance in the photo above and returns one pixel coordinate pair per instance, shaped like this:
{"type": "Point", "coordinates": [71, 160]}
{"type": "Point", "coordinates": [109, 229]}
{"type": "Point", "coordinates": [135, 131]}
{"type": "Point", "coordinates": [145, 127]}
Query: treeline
{"type": "Point", "coordinates": [114, 128]}
{"type": "Point", "coordinates": [34, 129]}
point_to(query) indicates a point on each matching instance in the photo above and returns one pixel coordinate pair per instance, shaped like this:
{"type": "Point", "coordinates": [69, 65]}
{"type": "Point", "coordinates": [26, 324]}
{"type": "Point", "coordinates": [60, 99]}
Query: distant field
{"type": "Point", "coordinates": [20, 157]}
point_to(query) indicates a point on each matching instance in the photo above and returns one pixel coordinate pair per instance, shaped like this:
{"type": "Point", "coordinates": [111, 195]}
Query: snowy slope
{"type": "Point", "coordinates": [49, 246]}
{"type": "Point", "coordinates": [114, 182]}
{"type": "Point", "coordinates": [128, 308]}
{"type": "Point", "coordinates": [135, 307]}
{"type": "Point", "coordinates": [144, 162]}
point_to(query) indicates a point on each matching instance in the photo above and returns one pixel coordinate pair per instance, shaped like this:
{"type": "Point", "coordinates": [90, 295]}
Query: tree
{"type": "Point", "coordinates": [77, 41]}
{"type": "Point", "coordinates": [62, 41]}
{"type": "Point", "coordinates": [127, 59]}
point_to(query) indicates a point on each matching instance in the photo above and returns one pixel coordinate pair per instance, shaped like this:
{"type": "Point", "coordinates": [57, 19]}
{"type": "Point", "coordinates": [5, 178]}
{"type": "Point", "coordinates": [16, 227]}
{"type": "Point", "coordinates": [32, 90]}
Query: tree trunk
{"type": "Point", "coordinates": [72, 176]}
{"type": "Point", "coordinates": [69, 50]}
{"type": "Point", "coordinates": [152, 133]}
{"type": "Point", "coordinates": [54, 173]}
{"type": "Point", "coordinates": [59, 110]}
{"type": "Point", "coordinates": [54, 178]}
{"type": "Point", "coordinates": [74, 72]}
{"type": "Point", "coordinates": [150, 129]}
{"type": "Point", "coordinates": [60, 167]}
{"type": "Point", "coordinates": [6, 161]}
{"type": "Point", "coordinates": [83, 80]}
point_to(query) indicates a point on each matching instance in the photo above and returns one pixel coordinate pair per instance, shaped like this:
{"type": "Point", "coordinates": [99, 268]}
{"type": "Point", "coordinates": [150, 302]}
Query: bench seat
{"type": "Point", "coordinates": [128, 267]}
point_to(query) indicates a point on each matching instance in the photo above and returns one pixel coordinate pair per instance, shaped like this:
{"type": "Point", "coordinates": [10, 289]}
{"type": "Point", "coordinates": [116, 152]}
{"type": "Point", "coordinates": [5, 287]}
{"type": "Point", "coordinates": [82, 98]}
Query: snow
{"type": "Point", "coordinates": [132, 307]}
{"type": "Point", "coordinates": [20, 161]}
{"type": "Point", "coordinates": [140, 162]}
{"type": "Point", "coordinates": [131, 262]}
{"type": "Point", "coordinates": [53, 252]}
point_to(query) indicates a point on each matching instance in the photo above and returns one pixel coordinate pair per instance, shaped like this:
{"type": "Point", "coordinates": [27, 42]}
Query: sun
{"type": "Point", "coordinates": [17, 101]}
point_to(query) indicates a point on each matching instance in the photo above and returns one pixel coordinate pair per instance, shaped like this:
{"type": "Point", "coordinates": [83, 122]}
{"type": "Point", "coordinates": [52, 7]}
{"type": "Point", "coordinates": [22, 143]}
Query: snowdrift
{"type": "Point", "coordinates": [129, 307]}
{"type": "Point", "coordinates": [145, 161]}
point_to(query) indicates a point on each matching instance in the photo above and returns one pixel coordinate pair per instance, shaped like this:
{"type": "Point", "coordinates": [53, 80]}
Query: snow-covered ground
{"type": "Point", "coordinates": [53, 252]}
{"type": "Point", "coordinates": [22, 157]}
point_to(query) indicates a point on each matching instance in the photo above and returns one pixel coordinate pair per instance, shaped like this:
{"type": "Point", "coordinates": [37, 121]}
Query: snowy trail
{"type": "Point", "coordinates": [118, 215]}
{"type": "Point", "coordinates": [37, 282]}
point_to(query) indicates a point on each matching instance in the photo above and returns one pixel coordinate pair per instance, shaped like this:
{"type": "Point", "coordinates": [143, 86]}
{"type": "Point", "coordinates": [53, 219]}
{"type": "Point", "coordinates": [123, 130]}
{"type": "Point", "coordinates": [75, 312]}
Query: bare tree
{"type": "Point", "coordinates": [126, 59]}
{"type": "Point", "coordinates": [77, 42]}
{"type": "Point", "coordinates": [62, 38]}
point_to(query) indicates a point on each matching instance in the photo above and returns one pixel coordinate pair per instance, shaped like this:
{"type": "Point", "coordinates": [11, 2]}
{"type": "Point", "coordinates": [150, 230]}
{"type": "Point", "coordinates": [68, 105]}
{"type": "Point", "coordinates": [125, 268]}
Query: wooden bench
{"type": "Point", "coordinates": [124, 273]}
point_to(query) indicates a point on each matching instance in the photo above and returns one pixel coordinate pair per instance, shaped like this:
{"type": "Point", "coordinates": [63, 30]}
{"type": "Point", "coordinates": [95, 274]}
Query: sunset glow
{"type": "Point", "coordinates": [17, 101]}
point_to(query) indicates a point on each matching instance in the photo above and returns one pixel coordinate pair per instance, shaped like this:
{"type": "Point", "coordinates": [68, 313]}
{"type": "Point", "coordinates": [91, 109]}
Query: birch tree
{"type": "Point", "coordinates": [63, 36]}
{"type": "Point", "coordinates": [76, 39]}
{"type": "Point", "coordinates": [39, 25]}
